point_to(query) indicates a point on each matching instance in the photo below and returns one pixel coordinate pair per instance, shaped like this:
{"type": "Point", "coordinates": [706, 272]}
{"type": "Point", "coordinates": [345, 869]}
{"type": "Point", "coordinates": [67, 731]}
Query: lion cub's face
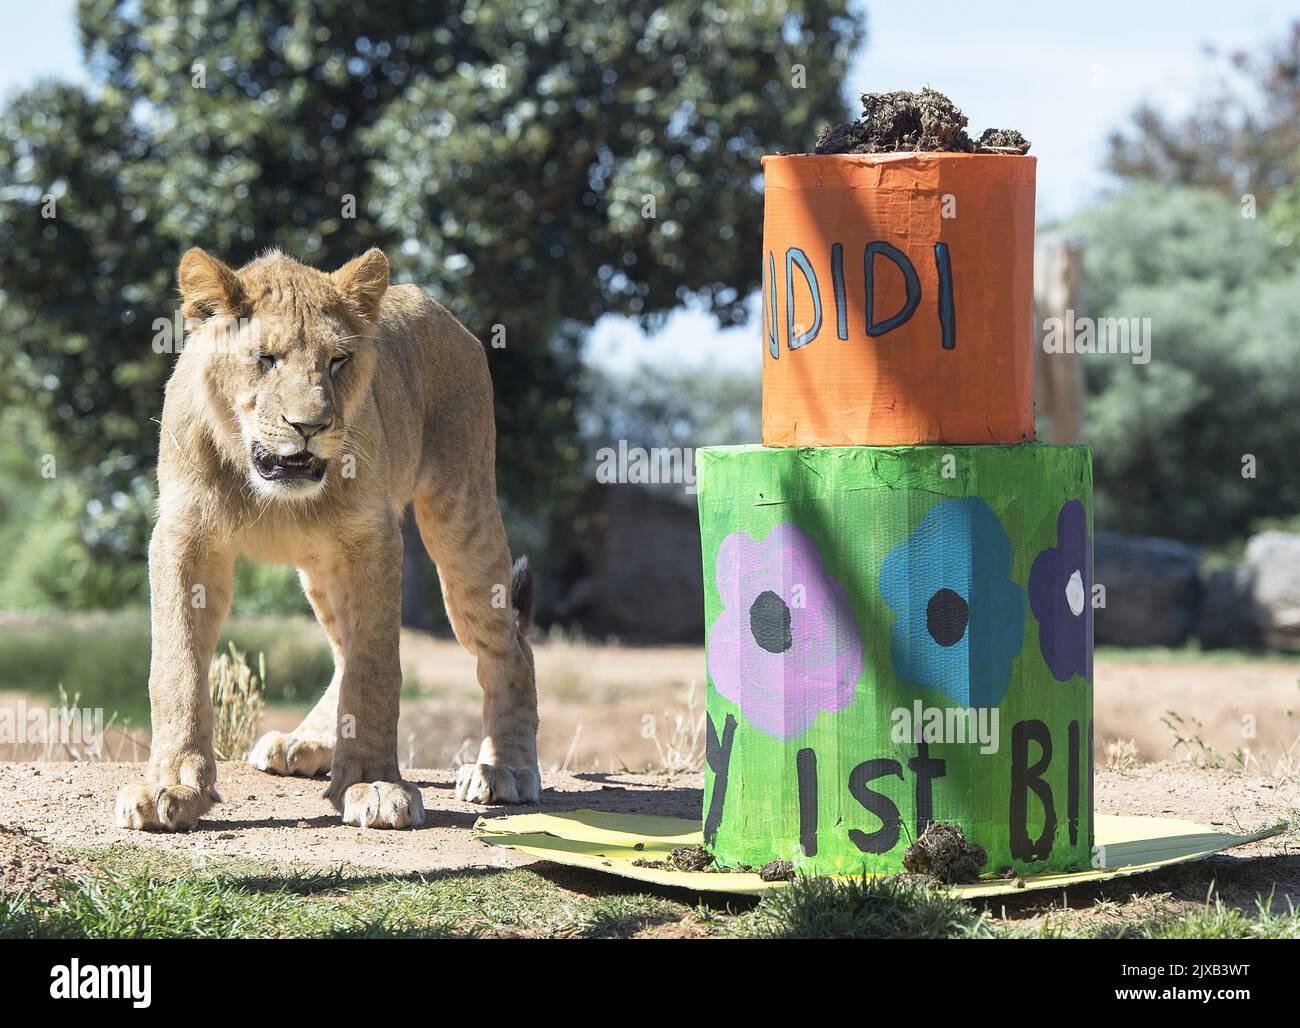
{"type": "Point", "coordinates": [290, 355]}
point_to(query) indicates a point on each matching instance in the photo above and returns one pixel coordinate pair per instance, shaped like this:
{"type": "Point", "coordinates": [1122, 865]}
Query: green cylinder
{"type": "Point", "coordinates": [897, 636]}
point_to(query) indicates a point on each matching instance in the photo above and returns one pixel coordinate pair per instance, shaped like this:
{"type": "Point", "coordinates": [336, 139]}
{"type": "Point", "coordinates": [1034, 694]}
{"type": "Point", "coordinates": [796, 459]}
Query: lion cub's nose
{"type": "Point", "coordinates": [307, 428]}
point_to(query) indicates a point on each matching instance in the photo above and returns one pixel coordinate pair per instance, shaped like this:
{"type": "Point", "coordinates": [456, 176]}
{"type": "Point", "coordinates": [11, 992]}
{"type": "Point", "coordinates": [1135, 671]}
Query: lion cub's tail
{"type": "Point", "coordinates": [521, 594]}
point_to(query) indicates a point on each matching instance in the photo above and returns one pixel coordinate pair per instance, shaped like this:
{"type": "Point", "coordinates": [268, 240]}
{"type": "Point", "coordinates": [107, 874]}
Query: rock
{"type": "Point", "coordinates": [1273, 563]}
{"type": "Point", "coordinates": [1152, 590]}
{"type": "Point", "coordinates": [1257, 603]}
{"type": "Point", "coordinates": [1228, 619]}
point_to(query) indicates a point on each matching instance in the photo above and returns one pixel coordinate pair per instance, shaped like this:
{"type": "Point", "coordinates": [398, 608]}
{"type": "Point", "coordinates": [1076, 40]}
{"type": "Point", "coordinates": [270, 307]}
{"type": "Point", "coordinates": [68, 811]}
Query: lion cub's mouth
{"type": "Point", "coordinates": [274, 468]}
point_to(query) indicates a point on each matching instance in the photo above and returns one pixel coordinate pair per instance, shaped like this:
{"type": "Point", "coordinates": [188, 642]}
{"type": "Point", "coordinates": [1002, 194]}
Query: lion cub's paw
{"type": "Point", "coordinates": [281, 754]}
{"type": "Point", "coordinates": [496, 783]}
{"type": "Point", "coordinates": [161, 808]}
{"type": "Point", "coordinates": [383, 805]}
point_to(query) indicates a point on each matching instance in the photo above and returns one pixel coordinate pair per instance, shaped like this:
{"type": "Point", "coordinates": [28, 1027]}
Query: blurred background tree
{"type": "Point", "coordinates": [535, 166]}
{"type": "Point", "coordinates": [1169, 436]}
{"type": "Point", "coordinates": [671, 408]}
{"type": "Point", "coordinates": [538, 167]}
{"type": "Point", "coordinates": [1203, 238]}
{"type": "Point", "coordinates": [1243, 135]}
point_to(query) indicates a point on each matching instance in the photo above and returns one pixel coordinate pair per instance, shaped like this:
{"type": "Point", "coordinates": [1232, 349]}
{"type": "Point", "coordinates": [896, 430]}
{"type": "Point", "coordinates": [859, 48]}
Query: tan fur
{"type": "Point", "coordinates": [407, 419]}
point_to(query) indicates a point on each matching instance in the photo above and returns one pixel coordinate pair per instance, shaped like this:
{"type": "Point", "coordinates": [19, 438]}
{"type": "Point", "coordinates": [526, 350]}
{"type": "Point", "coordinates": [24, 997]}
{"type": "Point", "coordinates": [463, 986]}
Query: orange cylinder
{"type": "Point", "coordinates": [898, 299]}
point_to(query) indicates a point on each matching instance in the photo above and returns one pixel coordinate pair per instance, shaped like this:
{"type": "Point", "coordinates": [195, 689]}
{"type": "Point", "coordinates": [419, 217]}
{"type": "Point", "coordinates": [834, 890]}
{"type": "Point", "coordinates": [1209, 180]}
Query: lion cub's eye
{"type": "Point", "coordinates": [339, 361]}
{"type": "Point", "coordinates": [266, 361]}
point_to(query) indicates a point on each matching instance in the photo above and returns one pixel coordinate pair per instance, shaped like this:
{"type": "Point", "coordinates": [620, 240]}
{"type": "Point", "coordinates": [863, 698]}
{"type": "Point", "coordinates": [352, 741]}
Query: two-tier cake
{"type": "Point", "coordinates": [898, 582]}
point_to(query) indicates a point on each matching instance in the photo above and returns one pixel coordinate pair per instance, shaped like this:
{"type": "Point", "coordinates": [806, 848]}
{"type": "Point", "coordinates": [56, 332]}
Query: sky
{"type": "Point", "coordinates": [1065, 74]}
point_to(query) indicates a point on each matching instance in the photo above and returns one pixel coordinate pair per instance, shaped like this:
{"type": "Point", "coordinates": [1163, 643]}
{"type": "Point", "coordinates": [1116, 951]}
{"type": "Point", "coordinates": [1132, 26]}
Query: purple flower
{"type": "Point", "coordinates": [1060, 595]}
{"type": "Point", "coordinates": [786, 645]}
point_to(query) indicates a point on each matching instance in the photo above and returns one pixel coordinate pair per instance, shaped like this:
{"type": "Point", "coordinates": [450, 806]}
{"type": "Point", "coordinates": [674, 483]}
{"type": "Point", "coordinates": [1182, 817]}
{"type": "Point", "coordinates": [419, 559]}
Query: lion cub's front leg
{"type": "Point", "coordinates": [191, 586]}
{"type": "Point", "coordinates": [363, 582]}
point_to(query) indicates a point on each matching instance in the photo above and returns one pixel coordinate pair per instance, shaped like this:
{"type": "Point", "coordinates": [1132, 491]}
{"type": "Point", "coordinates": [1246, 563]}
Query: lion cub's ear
{"type": "Point", "coordinates": [363, 282]}
{"type": "Point", "coordinates": [208, 287]}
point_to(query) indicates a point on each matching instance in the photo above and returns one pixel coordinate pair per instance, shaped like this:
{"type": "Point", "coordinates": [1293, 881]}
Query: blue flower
{"type": "Point", "coordinates": [959, 618]}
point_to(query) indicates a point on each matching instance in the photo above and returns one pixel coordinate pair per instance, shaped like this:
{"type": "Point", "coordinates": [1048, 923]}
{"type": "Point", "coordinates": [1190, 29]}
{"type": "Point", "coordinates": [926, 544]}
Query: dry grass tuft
{"type": "Point", "coordinates": [236, 702]}
{"type": "Point", "coordinates": [1122, 754]}
{"type": "Point", "coordinates": [683, 750]}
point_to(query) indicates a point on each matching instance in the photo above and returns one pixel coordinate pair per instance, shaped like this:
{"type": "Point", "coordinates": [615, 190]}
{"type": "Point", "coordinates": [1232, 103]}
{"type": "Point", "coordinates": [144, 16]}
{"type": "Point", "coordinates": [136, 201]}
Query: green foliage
{"type": "Point", "coordinates": [1169, 437]}
{"type": "Point", "coordinates": [1150, 236]}
{"type": "Point", "coordinates": [106, 659]}
{"type": "Point", "coordinates": [1242, 137]}
{"type": "Point", "coordinates": [501, 153]}
{"type": "Point", "coordinates": [621, 917]}
{"type": "Point", "coordinates": [146, 892]}
{"type": "Point", "coordinates": [1284, 216]}
{"type": "Point", "coordinates": [267, 589]}
{"type": "Point", "coordinates": [1217, 920]}
{"type": "Point", "coordinates": [865, 908]}
{"type": "Point", "coordinates": [670, 408]}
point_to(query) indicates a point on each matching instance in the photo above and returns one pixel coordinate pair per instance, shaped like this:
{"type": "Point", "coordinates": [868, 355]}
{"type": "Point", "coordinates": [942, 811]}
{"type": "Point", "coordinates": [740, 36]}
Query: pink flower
{"type": "Point", "coordinates": [786, 646]}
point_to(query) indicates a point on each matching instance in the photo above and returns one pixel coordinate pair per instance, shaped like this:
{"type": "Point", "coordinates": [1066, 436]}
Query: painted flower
{"type": "Point", "coordinates": [960, 619]}
{"type": "Point", "coordinates": [1060, 594]}
{"type": "Point", "coordinates": [786, 645]}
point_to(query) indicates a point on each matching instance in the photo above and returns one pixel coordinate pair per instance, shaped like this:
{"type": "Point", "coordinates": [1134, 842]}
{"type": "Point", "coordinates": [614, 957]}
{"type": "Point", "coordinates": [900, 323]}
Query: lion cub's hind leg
{"type": "Point", "coordinates": [490, 608]}
{"type": "Point", "coordinates": [308, 750]}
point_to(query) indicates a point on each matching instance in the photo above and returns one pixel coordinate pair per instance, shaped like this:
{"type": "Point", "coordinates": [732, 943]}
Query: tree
{"type": "Point", "coordinates": [1242, 138]}
{"type": "Point", "coordinates": [534, 165]}
{"type": "Point", "coordinates": [1199, 443]}
{"type": "Point", "coordinates": [674, 408]}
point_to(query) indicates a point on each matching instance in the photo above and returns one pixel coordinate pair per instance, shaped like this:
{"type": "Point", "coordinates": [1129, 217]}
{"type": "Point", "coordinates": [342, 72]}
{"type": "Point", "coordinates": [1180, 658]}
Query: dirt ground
{"type": "Point", "coordinates": [1247, 705]}
{"type": "Point", "coordinates": [29, 865]}
{"type": "Point", "coordinates": [1228, 800]}
{"type": "Point", "coordinates": [286, 821]}
{"type": "Point", "coordinates": [263, 816]}
{"type": "Point", "coordinates": [608, 709]}
{"type": "Point", "coordinates": [271, 818]}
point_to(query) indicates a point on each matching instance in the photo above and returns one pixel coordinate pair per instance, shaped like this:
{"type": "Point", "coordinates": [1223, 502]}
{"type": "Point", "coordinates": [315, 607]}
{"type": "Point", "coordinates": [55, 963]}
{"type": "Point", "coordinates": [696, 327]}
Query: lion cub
{"type": "Point", "coordinates": [305, 412]}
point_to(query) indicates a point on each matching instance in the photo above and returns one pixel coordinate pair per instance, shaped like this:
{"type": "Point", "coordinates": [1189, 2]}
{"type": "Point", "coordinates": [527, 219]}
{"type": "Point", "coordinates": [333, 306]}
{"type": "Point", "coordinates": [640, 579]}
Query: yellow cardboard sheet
{"type": "Point", "coordinates": [613, 842]}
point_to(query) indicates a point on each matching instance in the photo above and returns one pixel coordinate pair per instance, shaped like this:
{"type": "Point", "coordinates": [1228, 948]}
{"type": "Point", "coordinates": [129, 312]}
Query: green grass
{"type": "Point", "coordinates": [147, 894]}
{"type": "Point", "coordinates": [873, 908]}
{"type": "Point", "coordinates": [621, 917]}
{"type": "Point", "coordinates": [1217, 921]}
{"type": "Point", "coordinates": [105, 658]}
{"type": "Point", "coordinates": [1214, 920]}
{"type": "Point", "coordinates": [143, 896]}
